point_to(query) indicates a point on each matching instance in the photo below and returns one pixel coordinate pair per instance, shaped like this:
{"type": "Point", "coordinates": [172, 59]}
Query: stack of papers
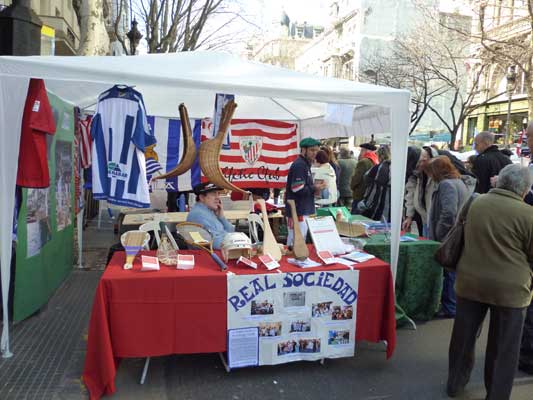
{"type": "Point", "coordinates": [307, 263]}
{"type": "Point", "coordinates": [358, 256]}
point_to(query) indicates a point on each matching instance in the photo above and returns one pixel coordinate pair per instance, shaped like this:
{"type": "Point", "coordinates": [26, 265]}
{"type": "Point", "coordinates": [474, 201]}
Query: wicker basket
{"type": "Point", "coordinates": [189, 148]}
{"type": "Point", "coordinates": [210, 152]}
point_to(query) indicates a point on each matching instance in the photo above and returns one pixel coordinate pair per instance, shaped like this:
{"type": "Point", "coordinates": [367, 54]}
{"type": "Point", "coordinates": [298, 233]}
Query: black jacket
{"type": "Point", "coordinates": [488, 164]}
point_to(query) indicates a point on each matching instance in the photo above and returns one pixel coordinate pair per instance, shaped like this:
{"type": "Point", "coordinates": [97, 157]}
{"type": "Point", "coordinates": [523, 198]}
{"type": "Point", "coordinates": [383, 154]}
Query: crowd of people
{"type": "Point", "coordinates": [495, 271]}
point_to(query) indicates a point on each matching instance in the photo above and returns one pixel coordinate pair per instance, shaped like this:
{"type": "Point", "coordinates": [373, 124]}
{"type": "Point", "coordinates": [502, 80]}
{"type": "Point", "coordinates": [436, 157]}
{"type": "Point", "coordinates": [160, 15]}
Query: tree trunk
{"type": "Point", "coordinates": [529, 92]}
{"type": "Point", "coordinates": [453, 137]}
{"type": "Point", "coordinates": [94, 37]}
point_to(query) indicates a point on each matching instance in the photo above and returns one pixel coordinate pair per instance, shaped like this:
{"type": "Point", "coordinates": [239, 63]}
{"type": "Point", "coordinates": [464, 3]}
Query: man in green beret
{"type": "Point", "coordinates": [300, 186]}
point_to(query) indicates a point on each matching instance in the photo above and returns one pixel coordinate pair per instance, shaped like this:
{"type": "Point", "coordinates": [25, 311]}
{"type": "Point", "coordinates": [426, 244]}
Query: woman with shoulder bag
{"type": "Point", "coordinates": [449, 196]}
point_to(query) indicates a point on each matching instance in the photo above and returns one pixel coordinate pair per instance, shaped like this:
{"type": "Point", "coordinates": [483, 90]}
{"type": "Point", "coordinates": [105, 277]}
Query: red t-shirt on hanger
{"type": "Point", "coordinates": [37, 121]}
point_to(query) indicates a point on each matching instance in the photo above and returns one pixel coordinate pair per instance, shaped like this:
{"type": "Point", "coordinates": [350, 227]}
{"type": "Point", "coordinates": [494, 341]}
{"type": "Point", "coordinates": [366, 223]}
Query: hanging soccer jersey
{"type": "Point", "coordinates": [86, 140]}
{"type": "Point", "coordinates": [120, 134]}
{"type": "Point", "coordinates": [37, 122]}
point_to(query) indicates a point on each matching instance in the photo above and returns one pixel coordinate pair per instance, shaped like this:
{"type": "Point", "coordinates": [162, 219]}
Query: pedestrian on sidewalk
{"type": "Point", "coordinates": [493, 274]}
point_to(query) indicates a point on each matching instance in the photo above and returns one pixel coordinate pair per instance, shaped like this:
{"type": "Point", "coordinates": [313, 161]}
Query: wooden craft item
{"type": "Point", "coordinates": [189, 148]}
{"type": "Point", "coordinates": [350, 229]}
{"type": "Point", "coordinates": [270, 246]}
{"type": "Point", "coordinates": [133, 243]}
{"type": "Point", "coordinates": [299, 248]}
{"type": "Point", "coordinates": [209, 155]}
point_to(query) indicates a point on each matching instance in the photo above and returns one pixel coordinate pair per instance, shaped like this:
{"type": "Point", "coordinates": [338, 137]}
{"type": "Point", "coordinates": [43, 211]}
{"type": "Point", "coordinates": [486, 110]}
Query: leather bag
{"type": "Point", "coordinates": [450, 250]}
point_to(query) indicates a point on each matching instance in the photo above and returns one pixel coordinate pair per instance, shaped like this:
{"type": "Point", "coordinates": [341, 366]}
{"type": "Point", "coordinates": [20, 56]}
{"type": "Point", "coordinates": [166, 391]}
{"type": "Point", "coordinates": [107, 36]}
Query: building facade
{"type": "Point", "coordinates": [283, 42]}
{"type": "Point", "coordinates": [356, 34]}
{"type": "Point", "coordinates": [501, 86]}
{"type": "Point", "coordinates": [60, 34]}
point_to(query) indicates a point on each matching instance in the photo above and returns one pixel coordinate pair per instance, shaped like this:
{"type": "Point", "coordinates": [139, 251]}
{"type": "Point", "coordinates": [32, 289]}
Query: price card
{"type": "Point", "coordinates": [326, 257]}
{"type": "Point", "coordinates": [149, 263]}
{"type": "Point", "coordinates": [246, 261]}
{"type": "Point", "coordinates": [269, 262]}
{"type": "Point", "coordinates": [185, 261]}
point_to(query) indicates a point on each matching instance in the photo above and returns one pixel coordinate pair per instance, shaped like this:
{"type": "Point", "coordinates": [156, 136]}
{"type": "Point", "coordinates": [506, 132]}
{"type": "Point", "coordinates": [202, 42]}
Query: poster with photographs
{"type": "Point", "coordinates": [300, 316]}
{"type": "Point", "coordinates": [39, 230]}
{"type": "Point", "coordinates": [63, 184]}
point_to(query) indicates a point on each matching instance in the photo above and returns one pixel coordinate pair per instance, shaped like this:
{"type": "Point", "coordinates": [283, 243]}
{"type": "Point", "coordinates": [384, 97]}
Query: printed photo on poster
{"type": "Point", "coordinates": [63, 184]}
{"type": "Point", "coordinates": [300, 326]}
{"type": "Point", "coordinates": [270, 329]}
{"type": "Point", "coordinates": [299, 346]}
{"type": "Point", "coordinates": [342, 312]}
{"type": "Point", "coordinates": [322, 309]}
{"type": "Point", "coordinates": [39, 230]}
{"type": "Point", "coordinates": [339, 337]}
{"type": "Point", "coordinates": [294, 299]}
{"type": "Point", "coordinates": [264, 307]}
{"type": "Point", "coordinates": [309, 345]}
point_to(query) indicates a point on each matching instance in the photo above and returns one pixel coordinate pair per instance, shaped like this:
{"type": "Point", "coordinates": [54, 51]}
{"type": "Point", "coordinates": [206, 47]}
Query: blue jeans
{"type": "Point", "coordinates": [448, 293]}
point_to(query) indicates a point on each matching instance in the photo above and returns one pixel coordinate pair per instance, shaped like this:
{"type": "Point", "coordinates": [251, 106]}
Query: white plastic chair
{"type": "Point", "coordinates": [153, 226]}
{"type": "Point", "coordinates": [253, 221]}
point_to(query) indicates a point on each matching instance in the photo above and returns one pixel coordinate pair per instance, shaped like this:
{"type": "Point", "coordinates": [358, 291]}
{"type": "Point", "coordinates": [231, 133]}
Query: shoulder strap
{"type": "Point", "coordinates": [464, 211]}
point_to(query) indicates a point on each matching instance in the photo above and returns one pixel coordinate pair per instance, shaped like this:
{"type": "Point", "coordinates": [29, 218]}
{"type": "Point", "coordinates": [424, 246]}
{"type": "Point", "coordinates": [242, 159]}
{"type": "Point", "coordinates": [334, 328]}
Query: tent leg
{"type": "Point", "coordinates": [223, 359]}
{"type": "Point", "coordinates": [145, 370]}
{"type": "Point", "coordinates": [80, 243]}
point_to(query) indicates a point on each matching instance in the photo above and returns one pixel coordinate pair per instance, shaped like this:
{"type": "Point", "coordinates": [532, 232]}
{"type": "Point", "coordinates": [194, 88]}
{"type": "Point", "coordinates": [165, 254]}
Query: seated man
{"type": "Point", "coordinates": [209, 213]}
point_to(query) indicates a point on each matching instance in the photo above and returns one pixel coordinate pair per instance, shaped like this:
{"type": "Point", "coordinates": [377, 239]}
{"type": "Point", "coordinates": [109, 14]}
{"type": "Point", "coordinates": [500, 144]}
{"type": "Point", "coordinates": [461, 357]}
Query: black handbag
{"type": "Point", "coordinates": [449, 251]}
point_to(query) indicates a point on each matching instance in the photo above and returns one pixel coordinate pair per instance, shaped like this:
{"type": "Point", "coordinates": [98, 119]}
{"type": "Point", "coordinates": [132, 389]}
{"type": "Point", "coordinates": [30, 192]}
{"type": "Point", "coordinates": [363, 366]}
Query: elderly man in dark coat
{"type": "Point", "coordinates": [489, 162]}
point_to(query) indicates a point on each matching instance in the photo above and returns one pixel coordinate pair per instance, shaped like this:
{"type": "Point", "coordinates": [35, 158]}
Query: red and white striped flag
{"type": "Point", "coordinates": [85, 141]}
{"type": "Point", "coordinates": [259, 154]}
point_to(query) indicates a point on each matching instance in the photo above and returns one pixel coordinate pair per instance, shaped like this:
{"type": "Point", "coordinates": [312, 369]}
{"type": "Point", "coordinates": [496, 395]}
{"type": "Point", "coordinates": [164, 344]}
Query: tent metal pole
{"type": "Point", "coordinates": [285, 108]}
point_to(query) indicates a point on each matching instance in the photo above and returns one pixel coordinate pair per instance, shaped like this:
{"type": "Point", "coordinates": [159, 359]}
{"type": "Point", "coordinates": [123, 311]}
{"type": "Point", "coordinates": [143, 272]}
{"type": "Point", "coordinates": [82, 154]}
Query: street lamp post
{"type": "Point", "coordinates": [511, 83]}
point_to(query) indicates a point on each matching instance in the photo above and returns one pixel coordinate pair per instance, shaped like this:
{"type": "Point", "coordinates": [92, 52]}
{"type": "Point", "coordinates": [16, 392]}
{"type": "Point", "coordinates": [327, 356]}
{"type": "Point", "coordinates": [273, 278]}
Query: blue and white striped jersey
{"type": "Point", "coordinates": [120, 132]}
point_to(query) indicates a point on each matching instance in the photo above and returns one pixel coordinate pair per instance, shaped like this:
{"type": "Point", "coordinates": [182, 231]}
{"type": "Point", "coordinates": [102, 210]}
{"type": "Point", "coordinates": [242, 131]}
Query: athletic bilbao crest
{"type": "Point", "coordinates": [250, 148]}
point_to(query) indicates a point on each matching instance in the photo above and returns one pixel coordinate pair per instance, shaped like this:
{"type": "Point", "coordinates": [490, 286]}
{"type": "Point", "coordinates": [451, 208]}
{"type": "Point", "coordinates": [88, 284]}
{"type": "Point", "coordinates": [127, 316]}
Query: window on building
{"type": "Point", "coordinates": [471, 130]}
{"type": "Point", "coordinates": [347, 70]}
{"type": "Point", "coordinates": [44, 7]}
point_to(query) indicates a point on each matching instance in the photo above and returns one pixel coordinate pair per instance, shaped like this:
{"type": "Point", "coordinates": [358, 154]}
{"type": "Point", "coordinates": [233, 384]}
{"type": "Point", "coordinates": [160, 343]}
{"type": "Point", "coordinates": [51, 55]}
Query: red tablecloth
{"type": "Point", "coordinates": [141, 314]}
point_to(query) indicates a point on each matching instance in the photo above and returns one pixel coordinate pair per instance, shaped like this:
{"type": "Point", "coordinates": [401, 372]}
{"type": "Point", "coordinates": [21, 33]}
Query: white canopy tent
{"type": "Point", "coordinates": [193, 78]}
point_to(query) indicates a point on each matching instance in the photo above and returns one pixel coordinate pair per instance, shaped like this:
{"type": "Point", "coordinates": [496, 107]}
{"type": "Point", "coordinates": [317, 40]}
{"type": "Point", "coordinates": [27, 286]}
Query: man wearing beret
{"type": "Point", "coordinates": [300, 186]}
{"type": "Point", "coordinates": [209, 213]}
{"type": "Point", "coordinates": [367, 159]}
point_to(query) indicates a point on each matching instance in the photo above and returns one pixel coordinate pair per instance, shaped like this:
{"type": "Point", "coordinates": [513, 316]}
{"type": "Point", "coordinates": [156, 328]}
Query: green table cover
{"type": "Point", "coordinates": [418, 277]}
